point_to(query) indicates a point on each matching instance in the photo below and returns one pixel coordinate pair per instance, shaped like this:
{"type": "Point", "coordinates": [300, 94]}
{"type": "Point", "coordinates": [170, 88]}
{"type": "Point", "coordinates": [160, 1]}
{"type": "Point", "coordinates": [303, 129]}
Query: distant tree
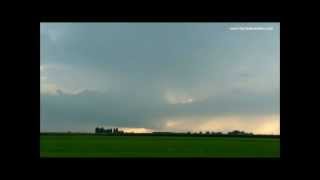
{"type": "Point", "coordinates": [237, 132]}
{"type": "Point", "coordinates": [98, 130]}
{"type": "Point", "coordinates": [115, 130]}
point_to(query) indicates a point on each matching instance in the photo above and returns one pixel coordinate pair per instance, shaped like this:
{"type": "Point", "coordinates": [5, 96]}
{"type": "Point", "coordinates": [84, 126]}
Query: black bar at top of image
{"type": "Point", "coordinates": [161, 19]}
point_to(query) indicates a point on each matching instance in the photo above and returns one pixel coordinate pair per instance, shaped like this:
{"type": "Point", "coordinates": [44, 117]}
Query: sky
{"type": "Point", "coordinates": [144, 77]}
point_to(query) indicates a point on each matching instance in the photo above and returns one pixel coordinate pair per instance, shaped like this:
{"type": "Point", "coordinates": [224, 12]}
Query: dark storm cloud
{"type": "Point", "coordinates": [135, 111]}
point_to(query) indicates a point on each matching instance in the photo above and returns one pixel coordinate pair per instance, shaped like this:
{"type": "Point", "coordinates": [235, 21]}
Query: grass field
{"type": "Point", "coordinates": [160, 146]}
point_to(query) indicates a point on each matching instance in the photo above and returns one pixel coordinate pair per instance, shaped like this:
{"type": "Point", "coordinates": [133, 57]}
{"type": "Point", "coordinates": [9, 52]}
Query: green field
{"type": "Point", "coordinates": [156, 146]}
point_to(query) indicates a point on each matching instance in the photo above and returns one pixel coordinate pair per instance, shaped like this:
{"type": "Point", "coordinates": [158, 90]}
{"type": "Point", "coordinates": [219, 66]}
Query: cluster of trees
{"type": "Point", "coordinates": [236, 132]}
{"type": "Point", "coordinates": [101, 130]}
{"type": "Point", "coordinates": [207, 133]}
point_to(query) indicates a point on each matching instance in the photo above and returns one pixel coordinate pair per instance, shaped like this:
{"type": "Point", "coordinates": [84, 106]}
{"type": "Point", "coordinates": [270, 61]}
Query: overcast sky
{"type": "Point", "coordinates": [160, 76]}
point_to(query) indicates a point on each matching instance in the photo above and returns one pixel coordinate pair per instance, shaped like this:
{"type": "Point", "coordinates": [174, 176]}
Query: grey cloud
{"type": "Point", "coordinates": [146, 111]}
{"type": "Point", "coordinates": [135, 64]}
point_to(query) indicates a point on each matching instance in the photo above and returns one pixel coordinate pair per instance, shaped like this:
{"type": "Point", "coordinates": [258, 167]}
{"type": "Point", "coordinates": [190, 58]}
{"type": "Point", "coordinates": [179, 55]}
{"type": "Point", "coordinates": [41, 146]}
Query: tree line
{"type": "Point", "coordinates": [234, 133]}
{"type": "Point", "coordinates": [101, 130]}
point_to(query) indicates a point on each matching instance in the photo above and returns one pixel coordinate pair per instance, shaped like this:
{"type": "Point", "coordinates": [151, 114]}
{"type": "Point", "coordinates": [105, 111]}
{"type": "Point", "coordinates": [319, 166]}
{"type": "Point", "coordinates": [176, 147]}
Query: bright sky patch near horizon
{"type": "Point", "coordinates": [160, 76]}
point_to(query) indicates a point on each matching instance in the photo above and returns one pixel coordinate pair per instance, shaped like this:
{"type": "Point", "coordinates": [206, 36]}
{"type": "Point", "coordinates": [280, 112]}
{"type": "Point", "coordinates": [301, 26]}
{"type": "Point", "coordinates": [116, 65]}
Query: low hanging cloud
{"type": "Point", "coordinates": [268, 124]}
{"type": "Point", "coordinates": [217, 114]}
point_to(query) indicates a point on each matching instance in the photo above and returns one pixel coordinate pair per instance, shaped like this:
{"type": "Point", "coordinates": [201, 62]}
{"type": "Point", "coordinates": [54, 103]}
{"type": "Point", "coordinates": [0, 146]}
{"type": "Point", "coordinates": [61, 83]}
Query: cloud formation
{"type": "Point", "coordinates": [148, 75]}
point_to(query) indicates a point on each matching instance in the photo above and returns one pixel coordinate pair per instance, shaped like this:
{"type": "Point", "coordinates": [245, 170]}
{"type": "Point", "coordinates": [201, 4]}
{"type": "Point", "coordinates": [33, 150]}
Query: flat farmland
{"type": "Point", "coordinates": [156, 146]}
